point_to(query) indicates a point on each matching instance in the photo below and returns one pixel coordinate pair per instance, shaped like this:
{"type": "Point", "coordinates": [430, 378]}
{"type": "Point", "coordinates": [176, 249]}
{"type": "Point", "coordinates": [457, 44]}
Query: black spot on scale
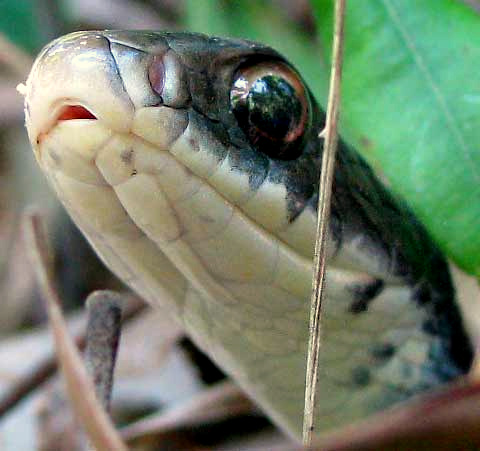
{"type": "Point", "coordinates": [422, 294]}
{"type": "Point", "coordinates": [126, 156]}
{"type": "Point", "coordinates": [430, 327]}
{"type": "Point", "coordinates": [382, 351]}
{"type": "Point", "coordinates": [361, 376]}
{"type": "Point", "coordinates": [194, 144]}
{"type": "Point", "coordinates": [363, 294]}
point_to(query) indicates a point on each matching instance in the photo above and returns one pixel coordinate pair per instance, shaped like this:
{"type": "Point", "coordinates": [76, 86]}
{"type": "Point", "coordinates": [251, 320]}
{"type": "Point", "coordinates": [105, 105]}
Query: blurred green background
{"type": "Point", "coordinates": [411, 88]}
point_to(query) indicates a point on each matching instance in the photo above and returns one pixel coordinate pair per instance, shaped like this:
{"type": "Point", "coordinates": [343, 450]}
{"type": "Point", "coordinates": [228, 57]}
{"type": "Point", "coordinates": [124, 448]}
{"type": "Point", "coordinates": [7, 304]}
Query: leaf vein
{"type": "Point", "coordinates": [422, 66]}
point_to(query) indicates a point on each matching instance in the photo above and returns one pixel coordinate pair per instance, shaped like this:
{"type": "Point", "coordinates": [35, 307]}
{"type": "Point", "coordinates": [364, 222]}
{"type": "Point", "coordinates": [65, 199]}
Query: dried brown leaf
{"type": "Point", "coordinates": [224, 400]}
{"type": "Point", "coordinates": [449, 419]}
{"type": "Point", "coordinates": [93, 417]}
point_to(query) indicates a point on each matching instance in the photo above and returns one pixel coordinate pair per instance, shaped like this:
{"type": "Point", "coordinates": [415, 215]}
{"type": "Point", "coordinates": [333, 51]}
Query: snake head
{"type": "Point", "coordinates": [230, 111]}
{"type": "Point", "coordinates": [191, 164]}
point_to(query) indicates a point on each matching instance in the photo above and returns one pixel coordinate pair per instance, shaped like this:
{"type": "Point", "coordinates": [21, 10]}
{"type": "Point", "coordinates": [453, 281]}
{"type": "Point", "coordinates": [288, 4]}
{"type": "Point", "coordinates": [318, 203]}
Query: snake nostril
{"type": "Point", "coordinates": [71, 112]}
{"type": "Point", "coordinates": [156, 74]}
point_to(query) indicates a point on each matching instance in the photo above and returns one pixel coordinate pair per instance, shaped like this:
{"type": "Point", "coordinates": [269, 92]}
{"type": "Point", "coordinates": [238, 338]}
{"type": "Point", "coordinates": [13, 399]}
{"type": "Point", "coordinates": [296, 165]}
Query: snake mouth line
{"type": "Point", "coordinates": [74, 112]}
{"type": "Point", "coordinates": [64, 111]}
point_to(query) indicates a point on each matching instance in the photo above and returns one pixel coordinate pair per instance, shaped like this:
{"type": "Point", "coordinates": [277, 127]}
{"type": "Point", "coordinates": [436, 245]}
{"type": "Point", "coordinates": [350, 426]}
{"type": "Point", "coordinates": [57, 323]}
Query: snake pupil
{"type": "Point", "coordinates": [274, 109]}
{"type": "Point", "coordinates": [271, 107]}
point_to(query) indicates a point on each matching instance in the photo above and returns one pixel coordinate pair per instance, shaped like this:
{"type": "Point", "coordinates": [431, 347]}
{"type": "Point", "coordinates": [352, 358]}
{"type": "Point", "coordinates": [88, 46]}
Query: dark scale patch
{"type": "Point", "coordinates": [438, 364]}
{"type": "Point", "coordinates": [429, 327]}
{"type": "Point", "coordinates": [336, 225]}
{"type": "Point", "coordinates": [364, 205]}
{"type": "Point", "coordinates": [126, 156]}
{"type": "Point", "coordinates": [250, 162]}
{"type": "Point", "coordinates": [361, 376]}
{"type": "Point", "coordinates": [242, 158]}
{"type": "Point", "coordinates": [208, 128]}
{"type": "Point", "coordinates": [299, 194]}
{"type": "Point", "coordinates": [363, 294]}
{"type": "Point", "coordinates": [300, 177]}
{"type": "Point", "coordinates": [435, 294]}
{"type": "Point", "coordinates": [382, 351]}
{"type": "Point", "coordinates": [194, 144]}
{"type": "Point", "coordinates": [422, 294]}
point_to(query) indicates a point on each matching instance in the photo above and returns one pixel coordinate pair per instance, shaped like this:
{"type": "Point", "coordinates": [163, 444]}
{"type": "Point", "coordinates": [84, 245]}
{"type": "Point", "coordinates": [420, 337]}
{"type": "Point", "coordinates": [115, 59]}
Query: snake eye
{"type": "Point", "coordinates": [271, 105]}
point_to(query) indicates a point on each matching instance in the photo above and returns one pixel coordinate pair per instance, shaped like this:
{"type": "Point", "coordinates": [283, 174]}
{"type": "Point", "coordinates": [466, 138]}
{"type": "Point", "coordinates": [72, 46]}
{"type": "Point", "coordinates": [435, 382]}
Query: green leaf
{"type": "Point", "coordinates": [260, 20]}
{"type": "Point", "coordinates": [411, 105]}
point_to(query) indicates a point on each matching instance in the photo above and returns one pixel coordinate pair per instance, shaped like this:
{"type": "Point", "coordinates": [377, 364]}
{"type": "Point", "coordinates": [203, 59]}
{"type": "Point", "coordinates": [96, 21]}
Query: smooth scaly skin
{"type": "Point", "coordinates": [177, 203]}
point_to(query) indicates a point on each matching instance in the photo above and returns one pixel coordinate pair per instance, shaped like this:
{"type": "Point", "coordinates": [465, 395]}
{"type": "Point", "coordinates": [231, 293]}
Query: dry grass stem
{"type": "Point", "coordinates": [103, 335]}
{"type": "Point", "coordinates": [223, 400]}
{"type": "Point", "coordinates": [325, 190]}
{"type": "Point", "coordinates": [97, 424]}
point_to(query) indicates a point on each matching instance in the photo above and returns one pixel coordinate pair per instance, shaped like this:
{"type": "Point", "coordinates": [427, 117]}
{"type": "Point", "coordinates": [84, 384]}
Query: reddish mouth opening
{"type": "Point", "coordinates": [71, 112]}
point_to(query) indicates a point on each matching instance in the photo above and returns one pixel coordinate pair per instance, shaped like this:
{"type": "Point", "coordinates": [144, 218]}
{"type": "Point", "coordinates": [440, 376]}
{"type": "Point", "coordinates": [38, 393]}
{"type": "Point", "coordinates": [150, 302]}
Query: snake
{"type": "Point", "coordinates": [191, 164]}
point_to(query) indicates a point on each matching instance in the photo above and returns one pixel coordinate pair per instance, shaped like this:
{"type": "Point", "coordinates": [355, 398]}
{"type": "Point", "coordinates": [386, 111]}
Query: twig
{"type": "Point", "coordinates": [26, 385]}
{"type": "Point", "coordinates": [325, 190]}
{"type": "Point", "coordinates": [222, 400]}
{"type": "Point", "coordinates": [103, 334]}
{"type": "Point", "coordinates": [95, 420]}
{"type": "Point", "coordinates": [47, 366]}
